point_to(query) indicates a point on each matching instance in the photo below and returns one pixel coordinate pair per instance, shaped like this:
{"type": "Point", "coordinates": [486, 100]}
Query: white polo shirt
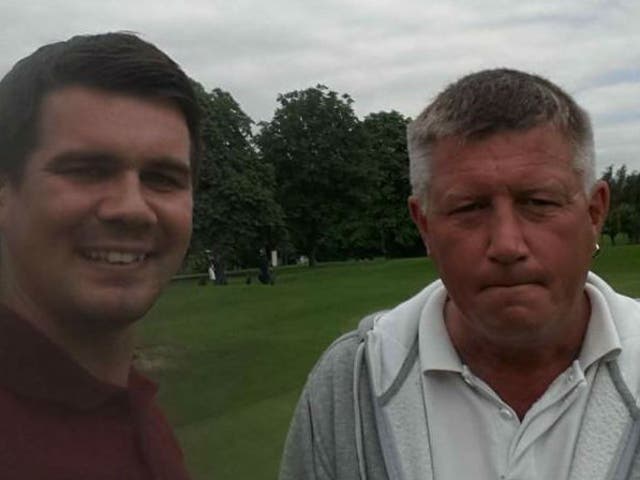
{"type": "Point", "coordinates": [474, 434]}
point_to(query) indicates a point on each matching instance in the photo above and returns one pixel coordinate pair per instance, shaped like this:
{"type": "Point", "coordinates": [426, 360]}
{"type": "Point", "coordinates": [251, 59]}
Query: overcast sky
{"type": "Point", "coordinates": [386, 54]}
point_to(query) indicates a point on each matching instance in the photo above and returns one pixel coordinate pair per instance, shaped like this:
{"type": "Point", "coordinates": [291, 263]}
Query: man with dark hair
{"type": "Point", "coordinates": [518, 363]}
{"type": "Point", "coordinates": [99, 145]}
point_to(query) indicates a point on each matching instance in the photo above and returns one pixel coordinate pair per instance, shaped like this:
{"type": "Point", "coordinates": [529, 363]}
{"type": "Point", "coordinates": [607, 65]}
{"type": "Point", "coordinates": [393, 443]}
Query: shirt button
{"type": "Point", "coordinates": [506, 414]}
{"type": "Point", "coordinates": [570, 378]}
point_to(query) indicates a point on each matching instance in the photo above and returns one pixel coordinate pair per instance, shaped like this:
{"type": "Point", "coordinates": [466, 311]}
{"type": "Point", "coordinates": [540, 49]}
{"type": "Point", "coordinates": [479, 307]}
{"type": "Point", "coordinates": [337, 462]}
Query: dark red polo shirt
{"type": "Point", "coordinates": [58, 422]}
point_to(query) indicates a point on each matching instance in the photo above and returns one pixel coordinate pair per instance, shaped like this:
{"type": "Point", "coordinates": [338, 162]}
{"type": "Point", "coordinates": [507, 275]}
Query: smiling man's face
{"type": "Point", "coordinates": [101, 218]}
{"type": "Point", "coordinates": [511, 231]}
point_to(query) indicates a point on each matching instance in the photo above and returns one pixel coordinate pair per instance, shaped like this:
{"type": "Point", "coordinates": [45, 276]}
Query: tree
{"type": "Point", "coordinates": [235, 212]}
{"type": "Point", "coordinates": [613, 224]}
{"type": "Point", "coordinates": [630, 207]}
{"type": "Point", "coordinates": [624, 210]}
{"type": "Point", "coordinates": [630, 221]}
{"type": "Point", "coordinates": [388, 220]}
{"type": "Point", "coordinates": [315, 144]}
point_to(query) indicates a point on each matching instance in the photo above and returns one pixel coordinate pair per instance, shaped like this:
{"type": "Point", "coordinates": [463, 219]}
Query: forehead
{"type": "Point", "coordinates": [77, 117]}
{"type": "Point", "coordinates": [537, 154]}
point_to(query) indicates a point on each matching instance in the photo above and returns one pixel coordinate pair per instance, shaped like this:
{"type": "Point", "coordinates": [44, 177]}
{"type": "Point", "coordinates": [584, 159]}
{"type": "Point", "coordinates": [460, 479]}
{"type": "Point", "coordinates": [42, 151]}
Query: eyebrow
{"type": "Point", "coordinates": [461, 196]}
{"type": "Point", "coordinates": [166, 163]}
{"type": "Point", "coordinates": [82, 156]}
{"type": "Point", "coordinates": [170, 164]}
{"type": "Point", "coordinates": [456, 194]}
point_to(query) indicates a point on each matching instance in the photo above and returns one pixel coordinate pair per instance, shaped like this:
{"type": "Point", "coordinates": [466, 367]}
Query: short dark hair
{"type": "Point", "coordinates": [117, 62]}
{"type": "Point", "coordinates": [494, 101]}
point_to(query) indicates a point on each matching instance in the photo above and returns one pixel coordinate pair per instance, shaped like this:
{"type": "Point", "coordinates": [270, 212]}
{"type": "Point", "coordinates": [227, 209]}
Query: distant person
{"type": "Point", "coordinates": [265, 276]}
{"type": "Point", "coordinates": [211, 271]}
{"type": "Point", "coordinates": [518, 363]}
{"type": "Point", "coordinates": [99, 145]}
{"type": "Point", "coordinates": [219, 271]}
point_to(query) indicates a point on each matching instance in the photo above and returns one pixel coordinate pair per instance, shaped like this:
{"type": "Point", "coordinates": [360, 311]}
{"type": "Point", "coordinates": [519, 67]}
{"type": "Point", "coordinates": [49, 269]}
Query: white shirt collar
{"type": "Point", "coordinates": [434, 345]}
{"type": "Point", "coordinates": [602, 337]}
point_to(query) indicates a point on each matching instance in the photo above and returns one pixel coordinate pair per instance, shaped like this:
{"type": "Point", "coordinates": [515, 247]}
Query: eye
{"type": "Point", "coordinates": [468, 207]}
{"type": "Point", "coordinates": [86, 172]}
{"type": "Point", "coordinates": [163, 181]}
{"type": "Point", "coordinates": [82, 166]}
{"type": "Point", "coordinates": [540, 202]}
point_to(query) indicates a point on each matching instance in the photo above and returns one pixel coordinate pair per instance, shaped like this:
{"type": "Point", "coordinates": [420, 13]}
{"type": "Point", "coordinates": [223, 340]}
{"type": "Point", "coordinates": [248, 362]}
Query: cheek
{"type": "Point", "coordinates": [41, 221]}
{"type": "Point", "coordinates": [565, 243]}
{"type": "Point", "coordinates": [178, 221]}
{"type": "Point", "coordinates": [456, 249]}
{"type": "Point", "coordinates": [456, 260]}
{"type": "Point", "coordinates": [61, 204]}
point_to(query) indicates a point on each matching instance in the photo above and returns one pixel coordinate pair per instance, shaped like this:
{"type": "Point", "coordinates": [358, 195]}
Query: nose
{"type": "Point", "coordinates": [125, 203]}
{"type": "Point", "coordinates": [507, 243]}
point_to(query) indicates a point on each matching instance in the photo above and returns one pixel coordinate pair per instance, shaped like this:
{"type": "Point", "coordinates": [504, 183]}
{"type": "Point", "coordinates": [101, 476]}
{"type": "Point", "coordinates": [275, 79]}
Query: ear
{"type": "Point", "coordinates": [599, 205]}
{"type": "Point", "coordinates": [420, 219]}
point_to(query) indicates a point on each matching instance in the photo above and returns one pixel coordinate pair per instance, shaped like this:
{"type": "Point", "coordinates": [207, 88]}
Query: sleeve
{"type": "Point", "coordinates": [303, 457]}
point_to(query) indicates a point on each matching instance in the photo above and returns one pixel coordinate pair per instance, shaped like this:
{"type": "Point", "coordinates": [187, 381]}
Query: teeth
{"type": "Point", "coordinates": [119, 258]}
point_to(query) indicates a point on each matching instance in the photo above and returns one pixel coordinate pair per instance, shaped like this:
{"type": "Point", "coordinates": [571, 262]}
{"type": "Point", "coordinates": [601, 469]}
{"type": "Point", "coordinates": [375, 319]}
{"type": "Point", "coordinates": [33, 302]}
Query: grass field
{"type": "Point", "coordinates": [232, 360]}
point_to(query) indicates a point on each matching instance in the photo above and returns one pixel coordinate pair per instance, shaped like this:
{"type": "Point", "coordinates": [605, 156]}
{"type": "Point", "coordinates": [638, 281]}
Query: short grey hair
{"type": "Point", "coordinates": [492, 101]}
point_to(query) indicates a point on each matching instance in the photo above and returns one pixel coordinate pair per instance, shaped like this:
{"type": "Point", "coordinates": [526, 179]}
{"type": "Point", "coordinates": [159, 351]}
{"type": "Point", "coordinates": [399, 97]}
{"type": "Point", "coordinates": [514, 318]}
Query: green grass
{"type": "Point", "coordinates": [237, 356]}
{"type": "Point", "coordinates": [620, 266]}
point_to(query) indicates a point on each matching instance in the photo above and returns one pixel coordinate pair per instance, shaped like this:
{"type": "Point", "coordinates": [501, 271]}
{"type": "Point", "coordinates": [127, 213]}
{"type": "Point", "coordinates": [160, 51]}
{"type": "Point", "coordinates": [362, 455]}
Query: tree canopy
{"type": "Point", "coordinates": [387, 214]}
{"type": "Point", "coordinates": [315, 145]}
{"type": "Point", "coordinates": [624, 211]}
{"type": "Point", "coordinates": [235, 212]}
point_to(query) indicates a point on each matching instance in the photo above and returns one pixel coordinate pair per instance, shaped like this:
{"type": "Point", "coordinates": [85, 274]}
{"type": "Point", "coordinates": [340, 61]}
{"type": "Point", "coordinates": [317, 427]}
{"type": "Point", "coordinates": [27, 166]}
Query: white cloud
{"type": "Point", "coordinates": [617, 144]}
{"type": "Point", "coordinates": [386, 54]}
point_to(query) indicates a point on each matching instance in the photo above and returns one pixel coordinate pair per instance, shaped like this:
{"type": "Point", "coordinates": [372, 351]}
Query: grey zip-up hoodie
{"type": "Point", "coordinates": [361, 415]}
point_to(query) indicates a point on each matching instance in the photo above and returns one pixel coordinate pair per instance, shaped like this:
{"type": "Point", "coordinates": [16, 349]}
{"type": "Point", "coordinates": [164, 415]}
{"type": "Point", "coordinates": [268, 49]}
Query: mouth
{"type": "Point", "coordinates": [515, 284]}
{"type": "Point", "coordinates": [115, 257]}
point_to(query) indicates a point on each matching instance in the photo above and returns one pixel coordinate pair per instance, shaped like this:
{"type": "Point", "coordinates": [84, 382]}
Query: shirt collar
{"type": "Point", "coordinates": [435, 347]}
{"type": "Point", "coordinates": [601, 339]}
{"type": "Point", "coordinates": [34, 367]}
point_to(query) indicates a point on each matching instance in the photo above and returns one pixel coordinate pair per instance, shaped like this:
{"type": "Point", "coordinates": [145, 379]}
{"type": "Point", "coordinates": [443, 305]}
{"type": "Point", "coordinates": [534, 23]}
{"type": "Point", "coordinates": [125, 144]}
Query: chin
{"type": "Point", "coordinates": [516, 324]}
{"type": "Point", "coordinates": [115, 312]}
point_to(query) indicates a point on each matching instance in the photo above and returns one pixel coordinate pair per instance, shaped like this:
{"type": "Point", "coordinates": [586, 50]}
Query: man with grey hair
{"type": "Point", "coordinates": [518, 363]}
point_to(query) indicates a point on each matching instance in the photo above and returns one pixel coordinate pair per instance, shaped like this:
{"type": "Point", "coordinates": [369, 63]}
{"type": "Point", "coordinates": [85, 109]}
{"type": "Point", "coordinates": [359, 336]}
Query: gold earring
{"type": "Point", "coordinates": [596, 251]}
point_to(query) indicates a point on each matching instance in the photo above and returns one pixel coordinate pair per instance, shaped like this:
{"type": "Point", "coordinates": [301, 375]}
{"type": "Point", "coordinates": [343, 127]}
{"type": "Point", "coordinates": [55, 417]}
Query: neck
{"type": "Point", "coordinates": [106, 353]}
{"type": "Point", "coordinates": [518, 371]}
